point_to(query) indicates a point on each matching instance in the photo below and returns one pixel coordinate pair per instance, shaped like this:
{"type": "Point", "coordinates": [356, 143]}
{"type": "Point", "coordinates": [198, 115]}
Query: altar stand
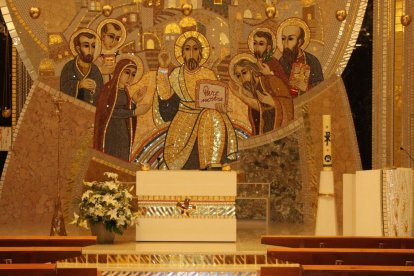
{"type": "Point", "coordinates": [185, 205]}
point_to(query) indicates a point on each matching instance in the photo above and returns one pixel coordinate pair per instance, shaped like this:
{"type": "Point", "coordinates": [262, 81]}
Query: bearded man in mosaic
{"type": "Point", "coordinates": [196, 137]}
{"type": "Point", "coordinates": [262, 44]}
{"type": "Point", "coordinates": [80, 77]}
{"type": "Point", "coordinates": [303, 68]}
{"type": "Point", "coordinates": [267, 96]}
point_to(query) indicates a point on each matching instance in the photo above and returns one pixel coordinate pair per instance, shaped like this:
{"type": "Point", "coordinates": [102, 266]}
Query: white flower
{"type": "Point", "coordinates": [87, 194]}
{"type": "Point", "coordinates": [89, 184]}
{"type": "Point", "coordinates": [111, 175]}
{"type": "Point", "coordinates": [106, 201]}
{"type": "Point", "coordinates": [111, 186]}
{"type": "Point", "coordinates": [112, 214]}
{"type": "Point", "coordinates": [84, 224]}
{"type": "Point", "coordinates": [75, 219]}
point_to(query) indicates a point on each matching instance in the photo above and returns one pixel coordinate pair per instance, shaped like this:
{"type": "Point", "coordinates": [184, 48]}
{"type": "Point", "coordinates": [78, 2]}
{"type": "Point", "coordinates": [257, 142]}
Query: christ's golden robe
{"type": "Point", "coordinates": [212, 130]}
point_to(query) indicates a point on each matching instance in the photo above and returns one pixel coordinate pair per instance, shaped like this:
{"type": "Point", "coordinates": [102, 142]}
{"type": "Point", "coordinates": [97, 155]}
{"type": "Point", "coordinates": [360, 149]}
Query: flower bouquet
{"type": "Point", "coordinates": [107, 203]}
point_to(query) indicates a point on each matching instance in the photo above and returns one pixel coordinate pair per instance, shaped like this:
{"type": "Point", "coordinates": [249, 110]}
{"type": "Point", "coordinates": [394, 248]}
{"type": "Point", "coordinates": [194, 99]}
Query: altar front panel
{"type": "Point", "coordinates": [186, 205]}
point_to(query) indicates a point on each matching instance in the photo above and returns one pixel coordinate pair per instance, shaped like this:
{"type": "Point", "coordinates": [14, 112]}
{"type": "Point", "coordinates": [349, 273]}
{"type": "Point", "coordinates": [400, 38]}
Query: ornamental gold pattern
{"type": "Point", "coordinates": [21, 20]}
{"type": "Point", "coordinates": [212, 132]}
{"type": "Point", "coordinates": [194, 199]}
{"type": "Point", "coordinates": [202, 207]}
{"type": "Point", "coordinates": [202, 210]}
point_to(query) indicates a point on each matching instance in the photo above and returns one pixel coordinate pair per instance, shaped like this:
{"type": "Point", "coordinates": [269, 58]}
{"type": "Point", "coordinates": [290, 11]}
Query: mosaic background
{"type": "Point", "coordinates": [289, 159]}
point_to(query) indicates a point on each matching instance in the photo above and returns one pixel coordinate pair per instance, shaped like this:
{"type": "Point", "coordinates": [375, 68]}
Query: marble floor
{"type": "Point", "coordinates": [126, 257]}
{"type": "Point", "coordinates": [249, 233]}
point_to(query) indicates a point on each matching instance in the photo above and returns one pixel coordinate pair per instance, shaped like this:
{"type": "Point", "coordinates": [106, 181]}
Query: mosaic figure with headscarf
{"type": "Point", "coordinates": [117, 110]}
{"type": "Point", "coordinates": [197, 137]}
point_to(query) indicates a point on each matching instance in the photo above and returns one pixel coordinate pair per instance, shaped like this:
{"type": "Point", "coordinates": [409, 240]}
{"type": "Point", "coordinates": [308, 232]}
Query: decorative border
{"type": "Point", "coordinates": [203, 210]}
{"type": "Point", "coordinates": [383, 84]}
{"type": "Point", "coordinates": [407, 88]}
{"type": "Point", "coordinates": [16, 40]}
{"type": "Point", "coordinates": [256, 141]}
{"type": "Point", "coordinates": [351, 36]}
{"type": "Point", "coordinates": [221, 199]}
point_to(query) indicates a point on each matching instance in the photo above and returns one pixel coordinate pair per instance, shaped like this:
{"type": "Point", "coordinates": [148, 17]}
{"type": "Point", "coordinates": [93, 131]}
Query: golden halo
{"type": "Point", "coordinates": [138, 62]}
{"type": "Point", "coordinates": [97, 42]}
{"type": "Point", "coordinates": [295, 21]}
{"type": "Point", "coordinates": [183, 37]}
{"type": "Point", "coordinates": [236, 59]}
{"type": "Point", "coordinates": [250, 40]}
{"type": "Point", "coordinates": [115, 22]}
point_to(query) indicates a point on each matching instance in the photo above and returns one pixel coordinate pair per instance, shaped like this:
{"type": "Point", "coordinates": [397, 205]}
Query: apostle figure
{"type": "Point", "coordinates": [303, 68]}
{"type": "Point", "coordinates": [267, 96]}
{"type": "Point", "coordinates": [80, 77]}
{"type": "Point", "coordinates": [197, 137]}
{"type": "Point", "coordinates": [262, 44]}
{"type": "Point", "coordinates": [113, 35]}
{"type": "Point", "coordinates": [117, 110]}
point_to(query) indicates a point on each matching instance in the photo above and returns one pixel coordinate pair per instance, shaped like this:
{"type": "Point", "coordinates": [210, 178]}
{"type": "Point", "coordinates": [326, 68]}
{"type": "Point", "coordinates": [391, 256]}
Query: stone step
{"type": "Point", "coordinates": [171, 258]}
{"type": "Point", "coordinates": [161, 270]}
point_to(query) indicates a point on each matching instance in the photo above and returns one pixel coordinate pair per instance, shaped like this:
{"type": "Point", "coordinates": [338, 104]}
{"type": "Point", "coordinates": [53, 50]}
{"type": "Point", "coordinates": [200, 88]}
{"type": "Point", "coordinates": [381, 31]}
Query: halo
{"type": "Point", "coordinates": [97, 42]}
{"type": "Point", "coordinates": [236, 59]}
{"type": "Point", "coordinates": [138, 62]}
{"type": "Point", "coordinates": [116, 22]}
{"type": "Point", "coordinates": [250, 40]}
{"type": "Point", "coordinates": [295, 21]}
{"type": "Point", "coordinates": [183, 37]}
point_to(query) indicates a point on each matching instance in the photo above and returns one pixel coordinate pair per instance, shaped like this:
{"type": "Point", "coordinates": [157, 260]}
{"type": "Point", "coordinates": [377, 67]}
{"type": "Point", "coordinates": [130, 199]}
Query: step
{"type": "Point", "coordinates": [170, 258]}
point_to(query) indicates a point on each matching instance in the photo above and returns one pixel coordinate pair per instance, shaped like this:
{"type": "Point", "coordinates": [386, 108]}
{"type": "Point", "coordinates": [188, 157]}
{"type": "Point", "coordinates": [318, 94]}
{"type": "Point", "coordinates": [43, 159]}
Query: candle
{"type": "Point", "coordinates": [327, 142]}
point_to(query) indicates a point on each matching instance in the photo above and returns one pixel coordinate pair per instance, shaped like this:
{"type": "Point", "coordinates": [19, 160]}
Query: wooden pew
{"type": "Point", "coordinates": [44, 270]}
{"type": "Point", "coordinates": [359, 269]}
{"type": "Point", "coordinates": [320, 255]}
{"type": "Point", "coordinates": [338, 242]}
{"type": "Point", "coordinates": [66, 271]}
{"type": "Point", "coordinates": [14, 241]}
{"type": "Point", "coordinates": [28, 269]}
{"type": "Point", "coordinates": [281, 270]}
{"type": "Point", "coordinates": [344, 256]}
{"type": "Point", "coordinates": [37, 254]}
{"type": "Point", "coordinates": [340, 270]}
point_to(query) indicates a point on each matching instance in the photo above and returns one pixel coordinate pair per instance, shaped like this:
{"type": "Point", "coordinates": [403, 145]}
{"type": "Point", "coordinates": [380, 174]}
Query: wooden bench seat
{"type": "Point", "coordinates": [44, 270]}
{"type": "Point", "coordinates": [280, 270]}
{"type": "Point", "coordinates": [360, 269]}
{"type": "Point", "coordinates": [37, 254]}
{"type": "Point", "coordinates": [90, 271]}
{"type": "Point", "coordinates": [14, 241]}
{"type": "Point", "coordinates": [331, 270]}
{"type": "Point", "coordinates": [28, 269]}
{"type": "Point", "coordinates": [346, 256]}
{"type": "Point", "coordinates": [338, 242]}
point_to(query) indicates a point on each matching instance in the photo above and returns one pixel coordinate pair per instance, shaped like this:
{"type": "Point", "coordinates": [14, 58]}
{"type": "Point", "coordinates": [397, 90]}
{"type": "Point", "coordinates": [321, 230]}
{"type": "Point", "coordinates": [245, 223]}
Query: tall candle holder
{"type": "Point", "coordinates": [326, 218]}
{"type": "Point", "coordinates": [58, 223]}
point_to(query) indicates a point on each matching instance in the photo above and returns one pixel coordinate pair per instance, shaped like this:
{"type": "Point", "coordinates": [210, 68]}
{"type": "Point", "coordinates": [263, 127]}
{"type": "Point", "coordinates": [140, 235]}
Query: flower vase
{"type": "Point", "coordinates": [103, 236]}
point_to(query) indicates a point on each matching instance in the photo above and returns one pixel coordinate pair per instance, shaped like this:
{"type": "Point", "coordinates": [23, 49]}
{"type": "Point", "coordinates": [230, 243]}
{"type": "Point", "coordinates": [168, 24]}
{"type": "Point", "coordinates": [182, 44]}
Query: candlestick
{"type": "Point", "coordinates": [327, 142]}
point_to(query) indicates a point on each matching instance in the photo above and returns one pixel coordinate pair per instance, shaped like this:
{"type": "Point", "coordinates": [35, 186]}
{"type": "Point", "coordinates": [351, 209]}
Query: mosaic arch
{"type": "Point", "coordinates": [274, 78]}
